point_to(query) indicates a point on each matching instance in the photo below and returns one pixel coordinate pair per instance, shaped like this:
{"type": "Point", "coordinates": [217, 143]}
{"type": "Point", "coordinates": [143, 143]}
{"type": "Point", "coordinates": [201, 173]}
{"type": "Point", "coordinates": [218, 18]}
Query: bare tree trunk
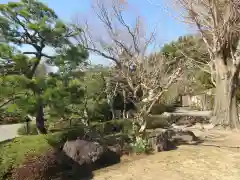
{"type": "Point", "coordinates": [112, 108]}
{"type": "Point", "coordinates": [124, 104]}
{"type": "Point", "coordinates": [85, 111]}
{"type": "Point", "coordinates": [143, 125]}
{"type": "Point", "coordinates": [40, 122]}
{"type": "Point", "coordinates": [28, 120]}
{"type": "Point", "coordinates": [225, 111]}
{"type": "Point", "coordinates": [86, 117]}
{"type": "Point", "coordinates": [110, 101]}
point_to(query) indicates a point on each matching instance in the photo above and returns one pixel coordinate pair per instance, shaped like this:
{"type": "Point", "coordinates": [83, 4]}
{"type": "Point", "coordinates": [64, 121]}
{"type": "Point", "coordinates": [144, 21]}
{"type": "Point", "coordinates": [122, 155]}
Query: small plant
{"type": "Point", "coordinates": [140, 146]}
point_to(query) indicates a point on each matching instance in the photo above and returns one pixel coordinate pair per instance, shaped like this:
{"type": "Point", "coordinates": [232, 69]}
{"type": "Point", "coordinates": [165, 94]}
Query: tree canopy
{"type": "Point", "coordinates": [34, 24]}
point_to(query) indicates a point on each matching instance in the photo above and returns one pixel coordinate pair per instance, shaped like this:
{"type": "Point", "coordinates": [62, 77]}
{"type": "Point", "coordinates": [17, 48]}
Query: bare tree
{"type": "Point", "coordinates": [127, 45]}
{"type": "Point", "coordinates": [218, 22]}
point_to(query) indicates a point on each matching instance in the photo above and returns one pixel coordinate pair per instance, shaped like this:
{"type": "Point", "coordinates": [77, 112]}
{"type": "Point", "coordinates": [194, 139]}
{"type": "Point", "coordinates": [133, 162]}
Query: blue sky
{"type": "Point", "coordinates": [169, 28]}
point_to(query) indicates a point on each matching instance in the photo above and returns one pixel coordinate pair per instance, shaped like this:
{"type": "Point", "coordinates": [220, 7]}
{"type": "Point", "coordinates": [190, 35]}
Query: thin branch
{"type": "Point", "coordinates": [13, 98]}
{"type": "Point", "coordinates": [42, 54]}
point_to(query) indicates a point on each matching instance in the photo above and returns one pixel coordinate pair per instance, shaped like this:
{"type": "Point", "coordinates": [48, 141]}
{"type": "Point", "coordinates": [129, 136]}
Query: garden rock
{"type": "Point", "coordinates": [92, 154]}
{"type": "Point", "coordinates": [168, 139]}
{"type": "Point", "coordinates": [83, 152]}
{"type": "Point", "coordinates": [162, 141]}
{"type": "Point", "coordinates": [184, 137]}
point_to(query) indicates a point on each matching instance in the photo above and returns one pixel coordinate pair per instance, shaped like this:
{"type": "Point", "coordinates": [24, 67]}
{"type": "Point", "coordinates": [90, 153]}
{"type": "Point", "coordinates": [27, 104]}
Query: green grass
{"type": "Point", "coordinates": [12, 154]}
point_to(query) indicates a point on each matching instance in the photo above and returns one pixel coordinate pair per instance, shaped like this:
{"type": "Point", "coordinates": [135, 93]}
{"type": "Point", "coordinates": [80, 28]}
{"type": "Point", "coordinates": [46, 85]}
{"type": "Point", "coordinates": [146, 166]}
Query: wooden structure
{"type": "Point", "coordinates": [201, 101]}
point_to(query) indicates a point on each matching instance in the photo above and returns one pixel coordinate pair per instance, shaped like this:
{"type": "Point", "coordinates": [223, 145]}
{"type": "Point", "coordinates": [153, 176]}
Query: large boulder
{"type": "Point", "coordinates": [184, 137]}
{"type": "Point", "coordinates": [168, 139]}
{"type": "Point", "coordinates": [83, 152]}
{"type": "Point", "coordinates": [92, 154]}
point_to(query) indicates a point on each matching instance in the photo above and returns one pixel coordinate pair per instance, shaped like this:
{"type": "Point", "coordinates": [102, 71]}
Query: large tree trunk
{"type": "Point", "coordinates": [225, 111]}
{"type": "Point", "coordinates": [40, 121]}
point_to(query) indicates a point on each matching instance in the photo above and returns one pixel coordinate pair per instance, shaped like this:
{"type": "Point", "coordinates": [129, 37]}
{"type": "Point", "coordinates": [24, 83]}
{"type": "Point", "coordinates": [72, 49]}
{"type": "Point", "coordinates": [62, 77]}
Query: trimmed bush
{"type": "Point", "coordinates": [159, 121]}
{"type": "Point", "coordinates": [56, 124]}
{"type": "Point", "coordinates": [114, 126]}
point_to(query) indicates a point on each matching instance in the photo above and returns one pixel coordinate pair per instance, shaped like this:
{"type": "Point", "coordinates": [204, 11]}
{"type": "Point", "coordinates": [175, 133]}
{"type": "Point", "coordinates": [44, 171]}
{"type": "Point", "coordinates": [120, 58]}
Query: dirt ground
{"type": "Point", "coordinates": [217, 158]}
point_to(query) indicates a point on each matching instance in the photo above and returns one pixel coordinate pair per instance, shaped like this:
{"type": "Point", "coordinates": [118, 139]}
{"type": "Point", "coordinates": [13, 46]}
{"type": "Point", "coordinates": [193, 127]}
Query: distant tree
{"type": "Point", "coordinates": [96, 105]}
{"type": "Point", "coordinates": [193, 51]}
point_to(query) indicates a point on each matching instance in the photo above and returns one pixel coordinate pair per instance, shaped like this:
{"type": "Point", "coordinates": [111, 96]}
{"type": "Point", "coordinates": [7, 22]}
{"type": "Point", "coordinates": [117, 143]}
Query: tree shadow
{"type": "Point", "coordinates": [70, 169]}
{"type": "Point", "coordinates": [221, 146]}
{"type": "Point", "coordinates": [179, 141]}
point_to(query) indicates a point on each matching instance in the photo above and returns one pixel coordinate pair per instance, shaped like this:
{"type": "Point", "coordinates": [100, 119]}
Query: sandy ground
{"type": "Point", "coordinates": [218, 158]}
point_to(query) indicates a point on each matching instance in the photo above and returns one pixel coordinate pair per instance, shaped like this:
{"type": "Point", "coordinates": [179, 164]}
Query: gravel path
{"type": "Point", "coordinates": [187, 162]}
{"type": "Point", "coordinates": [8, 131]}
{"type": "Point", "coordinates": [218, 158]}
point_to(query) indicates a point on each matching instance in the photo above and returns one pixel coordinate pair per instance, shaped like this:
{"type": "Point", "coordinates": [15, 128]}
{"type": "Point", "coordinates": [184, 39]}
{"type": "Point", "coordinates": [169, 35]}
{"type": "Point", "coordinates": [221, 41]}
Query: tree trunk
{"type": "Point", "coordinates": [143, 126]}
{"type": "Point", "coordinates": [86, 117]}
{"type": "Point", "coordinates": [28, 120]}
{"type": "Point", "coordinates": [110, 103]}
{"type": "Point", "coordinates": [40, 121]}
{"type": "Point", "coordinates": [112, 111]}
{"type": "Point", "coordinates": [225, 111]}
{"type": "Point", "coordinates": [124, 104]}
{"type": "Point", "coordinates": [141, 120]}
{"type": "Point", "coordinates": [27, 127]}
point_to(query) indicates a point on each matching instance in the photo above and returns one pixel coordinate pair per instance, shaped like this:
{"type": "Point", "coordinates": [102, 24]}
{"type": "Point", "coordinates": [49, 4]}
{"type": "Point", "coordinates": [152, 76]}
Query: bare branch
{"type": "Point", "coordinates": [126, 45]}
{"type": "Point", "coordinates": [42, 54]}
